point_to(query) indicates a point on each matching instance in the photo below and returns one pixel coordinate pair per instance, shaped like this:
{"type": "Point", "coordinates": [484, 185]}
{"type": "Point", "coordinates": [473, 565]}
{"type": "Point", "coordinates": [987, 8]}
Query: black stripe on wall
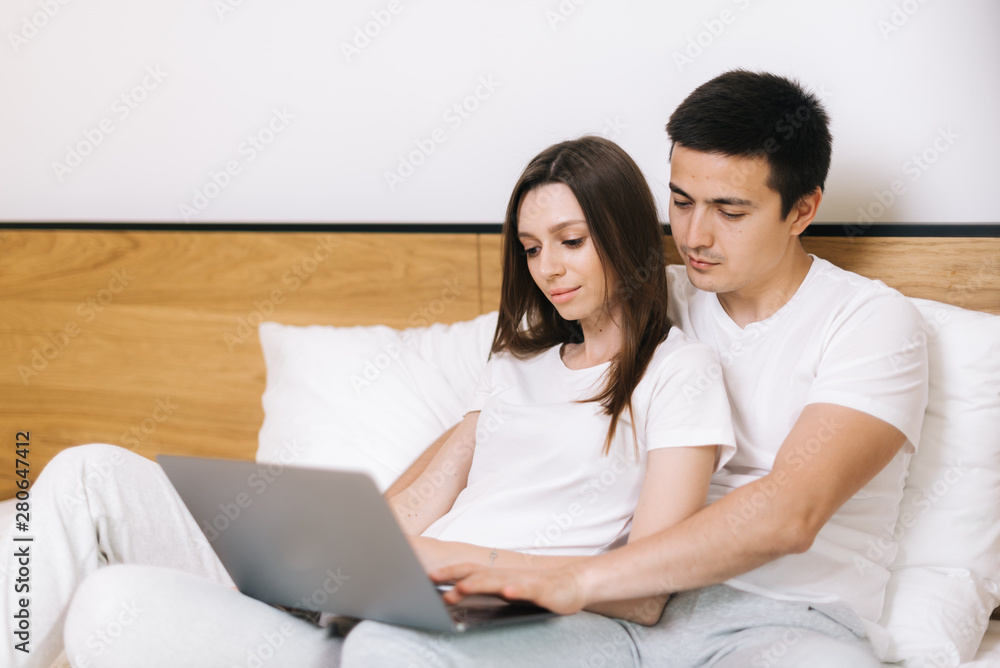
{"type": "Point", "coordinates": [816, 230]}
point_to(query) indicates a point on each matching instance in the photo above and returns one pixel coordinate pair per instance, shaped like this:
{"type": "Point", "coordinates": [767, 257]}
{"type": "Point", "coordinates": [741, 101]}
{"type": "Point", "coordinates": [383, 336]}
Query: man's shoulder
{"type": "Point", "coordinates": [829, 294]}
{"type": "Point", "coordinates": [677, 278]}
{"type": "Point", "coordinates": [849, 293]}
{"type": "Point", "coordinates": [829, 276]}
{"type": "Point", "coordinates": [683, 296]}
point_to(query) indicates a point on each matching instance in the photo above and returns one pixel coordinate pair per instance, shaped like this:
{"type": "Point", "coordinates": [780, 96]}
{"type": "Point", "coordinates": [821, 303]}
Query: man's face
{"type": "Point", "coordinates": [727, 223]}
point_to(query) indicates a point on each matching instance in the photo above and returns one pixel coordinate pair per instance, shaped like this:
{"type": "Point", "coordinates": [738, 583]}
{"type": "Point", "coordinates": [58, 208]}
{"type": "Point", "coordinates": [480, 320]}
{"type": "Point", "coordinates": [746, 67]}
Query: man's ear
{"type": "Point", "coordinates": [804, 211]}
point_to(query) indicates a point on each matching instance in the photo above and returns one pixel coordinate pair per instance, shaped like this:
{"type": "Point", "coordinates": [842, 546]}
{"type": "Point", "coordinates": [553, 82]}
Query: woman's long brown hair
{"type": "Point", "coordinates": [621, 214]}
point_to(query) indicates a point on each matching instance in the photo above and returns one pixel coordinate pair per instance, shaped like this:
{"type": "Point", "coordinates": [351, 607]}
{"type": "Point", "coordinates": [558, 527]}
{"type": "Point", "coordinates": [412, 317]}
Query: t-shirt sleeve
{"type": "Point", "coordinates": [688, 405]}
{"type": "Point", "coordinates": [876, 362]}
{"type": "Point", "coordinates": [484, 387]}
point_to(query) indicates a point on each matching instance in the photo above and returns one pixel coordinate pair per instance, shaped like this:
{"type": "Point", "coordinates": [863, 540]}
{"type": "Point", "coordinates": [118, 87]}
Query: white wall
{"type": "Point", "coordinates": [165, 93]}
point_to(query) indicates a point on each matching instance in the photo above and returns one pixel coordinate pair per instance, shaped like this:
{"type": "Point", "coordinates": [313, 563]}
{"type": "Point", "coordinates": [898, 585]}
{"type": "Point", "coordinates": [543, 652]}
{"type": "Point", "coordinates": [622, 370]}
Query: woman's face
{"type": "Point", "coordinates": [560, 251]}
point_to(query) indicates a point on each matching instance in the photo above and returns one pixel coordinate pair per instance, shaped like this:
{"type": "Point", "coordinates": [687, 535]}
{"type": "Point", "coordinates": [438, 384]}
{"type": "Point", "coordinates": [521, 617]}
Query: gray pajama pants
{"type": "Point", "coordinates": [169, 602]}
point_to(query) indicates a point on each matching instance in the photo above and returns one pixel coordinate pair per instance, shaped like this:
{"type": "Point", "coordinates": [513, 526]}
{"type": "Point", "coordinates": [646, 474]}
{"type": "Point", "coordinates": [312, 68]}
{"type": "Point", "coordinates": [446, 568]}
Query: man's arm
{"type": "Point", "coordinates": [418, 466]}
{"type": "Point", "coordinates": [830, 454]}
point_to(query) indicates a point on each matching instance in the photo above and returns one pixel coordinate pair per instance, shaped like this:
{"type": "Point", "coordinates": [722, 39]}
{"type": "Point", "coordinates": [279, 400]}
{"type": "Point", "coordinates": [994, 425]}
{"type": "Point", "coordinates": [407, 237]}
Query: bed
{"type": "Point", "coordinates": [148, 337]}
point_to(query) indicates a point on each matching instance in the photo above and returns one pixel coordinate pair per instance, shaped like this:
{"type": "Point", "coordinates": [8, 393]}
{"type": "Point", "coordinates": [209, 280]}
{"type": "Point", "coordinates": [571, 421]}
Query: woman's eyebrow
{"type": "Point", "coordinates": [552, 230]}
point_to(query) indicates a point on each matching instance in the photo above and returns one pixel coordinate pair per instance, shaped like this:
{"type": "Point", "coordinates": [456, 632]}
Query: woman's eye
{"type": "Point", "coordinates": [573, 243]}
{"type": "Point", "coordinates": [530, 252]}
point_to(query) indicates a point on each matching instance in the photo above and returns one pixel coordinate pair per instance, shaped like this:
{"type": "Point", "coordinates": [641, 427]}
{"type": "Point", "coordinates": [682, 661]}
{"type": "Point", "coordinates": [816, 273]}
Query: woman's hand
{"type": "Point", "coordinates": [558, 589]}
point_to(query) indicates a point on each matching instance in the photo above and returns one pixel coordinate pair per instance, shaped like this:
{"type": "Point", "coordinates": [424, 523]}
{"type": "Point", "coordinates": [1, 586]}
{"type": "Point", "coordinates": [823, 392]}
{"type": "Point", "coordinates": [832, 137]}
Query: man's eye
{"type": "Point", "coordinates": [681, 205]}
{"type": "Point", "coordinates": [731, 216]}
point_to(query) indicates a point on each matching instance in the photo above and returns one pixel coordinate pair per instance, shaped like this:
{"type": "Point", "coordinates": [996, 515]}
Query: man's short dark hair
{"type": "Point", "coordinates": [756, 114]}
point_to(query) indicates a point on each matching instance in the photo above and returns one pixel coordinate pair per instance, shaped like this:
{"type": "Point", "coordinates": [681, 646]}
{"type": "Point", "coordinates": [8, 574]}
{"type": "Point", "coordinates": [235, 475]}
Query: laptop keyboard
{"type": "Point", "coordinates": [466, 616]}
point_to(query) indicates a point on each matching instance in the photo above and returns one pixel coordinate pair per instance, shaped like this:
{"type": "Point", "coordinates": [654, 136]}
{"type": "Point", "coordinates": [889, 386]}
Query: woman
{"type": "Point", "coordinates": [583, 266]}
{"type": "Point", "coordinates": [596, 442]}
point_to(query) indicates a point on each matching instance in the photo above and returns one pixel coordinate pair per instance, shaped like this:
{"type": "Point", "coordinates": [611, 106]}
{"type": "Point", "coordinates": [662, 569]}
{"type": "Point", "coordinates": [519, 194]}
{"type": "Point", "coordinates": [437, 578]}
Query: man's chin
{"type": "Point", "coordinates": [703, 282]}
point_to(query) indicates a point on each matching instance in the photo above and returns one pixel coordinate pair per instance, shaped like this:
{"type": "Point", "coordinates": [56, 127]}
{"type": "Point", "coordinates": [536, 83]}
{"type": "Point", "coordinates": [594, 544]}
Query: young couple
{"type": "Point", "coordinates": [607, 366]}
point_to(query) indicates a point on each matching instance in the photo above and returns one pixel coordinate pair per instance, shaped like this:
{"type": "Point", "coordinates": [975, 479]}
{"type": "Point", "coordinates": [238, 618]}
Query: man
{"type": "Point", "coordinates": [827, 388]}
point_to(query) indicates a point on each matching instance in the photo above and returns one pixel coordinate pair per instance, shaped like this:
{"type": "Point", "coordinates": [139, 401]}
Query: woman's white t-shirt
{"type": "Point", "coordinates": [539, 482]}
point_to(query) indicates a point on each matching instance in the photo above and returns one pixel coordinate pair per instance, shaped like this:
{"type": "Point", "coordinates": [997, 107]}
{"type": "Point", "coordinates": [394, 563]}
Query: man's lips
{"type": "Point", "coordinates": [700, 264]}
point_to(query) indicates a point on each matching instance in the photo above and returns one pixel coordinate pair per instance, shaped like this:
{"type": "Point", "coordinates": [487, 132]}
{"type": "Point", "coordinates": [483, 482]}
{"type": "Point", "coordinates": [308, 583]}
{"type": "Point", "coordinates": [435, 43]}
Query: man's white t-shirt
{"type": "Point", "coordinates": [539, 481]}
{"type": "Point", "coordinates": [841, 339]}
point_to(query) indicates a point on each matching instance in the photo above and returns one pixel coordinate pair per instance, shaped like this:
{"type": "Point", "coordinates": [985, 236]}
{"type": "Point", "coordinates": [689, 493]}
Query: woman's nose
{"type": "Point", "coordinates": [550, 263]}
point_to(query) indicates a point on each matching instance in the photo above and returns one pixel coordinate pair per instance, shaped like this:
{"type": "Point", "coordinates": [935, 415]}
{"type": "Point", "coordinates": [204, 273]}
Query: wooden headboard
{"type": "Point", "coordinates": [147, 339]}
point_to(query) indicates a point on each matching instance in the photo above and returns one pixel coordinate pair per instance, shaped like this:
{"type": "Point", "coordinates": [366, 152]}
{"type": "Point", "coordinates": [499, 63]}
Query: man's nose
{"type": "Point", "coordinates": [699, 230]}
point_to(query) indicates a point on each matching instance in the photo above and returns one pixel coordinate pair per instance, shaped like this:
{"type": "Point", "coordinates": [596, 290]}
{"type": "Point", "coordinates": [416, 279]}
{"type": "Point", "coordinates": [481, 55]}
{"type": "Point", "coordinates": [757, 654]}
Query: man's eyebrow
{"type": "Point", "coordinates": [731, 201]}
{"type": "Point", "coordinates": [677, 190]}
{"type": "Point", "coordinates": [555, 228]}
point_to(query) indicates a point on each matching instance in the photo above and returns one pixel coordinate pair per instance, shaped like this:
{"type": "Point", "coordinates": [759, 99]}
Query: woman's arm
{"type": "Point", "coordinates": [434, 491]}
{"type": "Point", "coordinates": [675, 487]}
{"type": "Point", "coordinates": [418, 465]}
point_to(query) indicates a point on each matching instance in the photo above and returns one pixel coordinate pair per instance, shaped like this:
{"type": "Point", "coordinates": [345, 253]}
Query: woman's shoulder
{"type": "Point", "coordinates": [506, 358]}
{"type": "Point", "coordinates": [680, 365]}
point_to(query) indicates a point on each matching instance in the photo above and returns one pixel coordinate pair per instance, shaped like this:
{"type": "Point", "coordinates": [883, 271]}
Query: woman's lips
{"type": "Point", "coordinates": [564, 296]}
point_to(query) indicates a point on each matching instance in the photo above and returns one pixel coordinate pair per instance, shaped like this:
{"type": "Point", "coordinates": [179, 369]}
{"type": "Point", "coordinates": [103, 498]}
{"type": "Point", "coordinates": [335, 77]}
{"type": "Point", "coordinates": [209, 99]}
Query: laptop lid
{"type": "Point", "coordinates": [316, 539]}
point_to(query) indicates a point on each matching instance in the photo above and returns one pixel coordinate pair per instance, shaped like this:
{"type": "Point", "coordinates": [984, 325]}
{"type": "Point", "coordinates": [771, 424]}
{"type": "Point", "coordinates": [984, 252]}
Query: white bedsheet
{"type": "Point", "coordinates": [989, 651]}
{"type": "Point", "coordinates": [988, 657]}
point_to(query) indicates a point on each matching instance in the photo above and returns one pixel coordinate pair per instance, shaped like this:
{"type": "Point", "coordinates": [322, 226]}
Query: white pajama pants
{"type": "Point", "coordinates": [121, 571]}
{"type": "Point", "coordinates": [92, 506]}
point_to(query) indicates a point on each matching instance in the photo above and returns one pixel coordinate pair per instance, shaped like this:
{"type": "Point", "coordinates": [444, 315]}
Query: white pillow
{"type": "Point", "coordinates": [366, 398]}
{"type": "Point", "coordinates": [944, 581]}
{"type": "Point", "coordinates": [458, 350]}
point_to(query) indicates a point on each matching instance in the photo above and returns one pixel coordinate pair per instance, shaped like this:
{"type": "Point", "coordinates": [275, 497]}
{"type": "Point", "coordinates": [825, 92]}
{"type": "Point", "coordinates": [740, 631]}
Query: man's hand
{"type": "Point", "coordinates": [433, 553]}
{"type": "Point", "coordinates": [557, 589]}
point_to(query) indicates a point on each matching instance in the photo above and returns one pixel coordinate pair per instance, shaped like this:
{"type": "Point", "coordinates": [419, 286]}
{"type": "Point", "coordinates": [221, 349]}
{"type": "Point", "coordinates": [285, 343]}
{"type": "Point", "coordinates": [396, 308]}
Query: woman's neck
{"type": "Point", "coordinates": [602, 339]}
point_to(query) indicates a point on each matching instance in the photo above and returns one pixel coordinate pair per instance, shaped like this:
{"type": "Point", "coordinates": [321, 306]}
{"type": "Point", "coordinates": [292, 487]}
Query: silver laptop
{"type": "Point", "coordinates": [321, 540]}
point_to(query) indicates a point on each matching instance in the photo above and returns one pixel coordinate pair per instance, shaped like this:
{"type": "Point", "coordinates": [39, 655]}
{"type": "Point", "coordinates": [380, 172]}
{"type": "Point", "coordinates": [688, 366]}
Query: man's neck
{"type": "Point", "coordinates": [764, 297]}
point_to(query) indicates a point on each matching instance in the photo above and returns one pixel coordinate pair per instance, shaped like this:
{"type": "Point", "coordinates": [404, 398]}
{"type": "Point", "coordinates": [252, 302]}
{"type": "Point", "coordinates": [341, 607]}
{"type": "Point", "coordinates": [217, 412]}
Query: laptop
{"type": "Point", "coordinates": [322, 540]}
